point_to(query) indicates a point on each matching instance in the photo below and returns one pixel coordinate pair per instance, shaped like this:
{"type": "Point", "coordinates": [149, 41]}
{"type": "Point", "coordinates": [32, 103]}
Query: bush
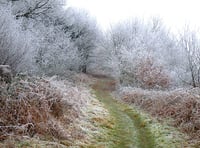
{"type": "Point", "coordinates": [46, 108]}
{"type": "Point", "coordinates": [180, 105]}
{"type": "Point", "coordinates": [150, 75]}
{"type": "Point", "coordinates": [13, 41]}
{"type": "Point", "coordinates": [56, 53]}
{"type": "Point", "coordinates": [28, 107]}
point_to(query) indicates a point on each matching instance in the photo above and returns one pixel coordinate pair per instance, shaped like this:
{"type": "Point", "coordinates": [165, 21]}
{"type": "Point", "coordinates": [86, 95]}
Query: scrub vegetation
{"type": "Point", "coordinates": [66, 83]}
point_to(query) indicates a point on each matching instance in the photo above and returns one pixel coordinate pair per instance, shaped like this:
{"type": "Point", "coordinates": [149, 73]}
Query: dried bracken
{"type": "Point", "coordinates": [50, 109]}
{"type": "Point", "coordinates": [27, 107]}
{"type": "Point", "coordinates": [182, 105]}
{"type": "Point", "coordinates": [150, 75]}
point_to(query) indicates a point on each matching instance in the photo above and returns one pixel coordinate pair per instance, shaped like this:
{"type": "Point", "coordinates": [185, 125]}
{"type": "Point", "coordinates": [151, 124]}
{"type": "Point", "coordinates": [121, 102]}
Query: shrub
{"type": "Point", "coordinates": [149, 75]}
{"type": "Point", "coordinates": [28, 107]}
{"type": "Point", "coordinates": [180, 105]}
{"type": "Point", "coordinates": [14, 42]}
{"type": "Point", "coordinates": [45, 108]}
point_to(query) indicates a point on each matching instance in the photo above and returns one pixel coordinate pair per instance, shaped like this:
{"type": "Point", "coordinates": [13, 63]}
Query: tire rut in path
{"type": "Point", "coordinates": [129, 131]}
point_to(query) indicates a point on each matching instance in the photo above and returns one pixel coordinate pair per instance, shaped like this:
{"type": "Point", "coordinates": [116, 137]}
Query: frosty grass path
{"type": "Point", "coordinates": [129, 130]}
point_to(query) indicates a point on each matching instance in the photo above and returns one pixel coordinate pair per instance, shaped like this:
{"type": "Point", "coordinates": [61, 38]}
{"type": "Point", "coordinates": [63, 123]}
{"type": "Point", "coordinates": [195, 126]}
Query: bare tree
{"type": "Point", "coordinates": [189, 42]}
{"type": "Point", "coordinates": [34, 9]}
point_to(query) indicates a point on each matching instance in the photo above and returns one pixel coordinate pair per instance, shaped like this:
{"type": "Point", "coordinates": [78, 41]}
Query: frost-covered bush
{"type": "Point", "coordinates": [43, 107]}
{"type": "Point", "coordinates": [182, 105]}
{"type": "Point", "coordinates": [14, 42]}
{"type": "Point", "coordinates": [56, 53]}
{"type": "Point", "coordinates": [150, 74]}
{"type": "Point", "coordinates": [28, 107]}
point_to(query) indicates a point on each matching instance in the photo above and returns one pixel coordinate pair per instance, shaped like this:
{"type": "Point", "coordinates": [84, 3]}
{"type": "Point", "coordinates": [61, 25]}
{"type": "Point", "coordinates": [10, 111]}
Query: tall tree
{"type": "Point", "coordinates": [190, 43]}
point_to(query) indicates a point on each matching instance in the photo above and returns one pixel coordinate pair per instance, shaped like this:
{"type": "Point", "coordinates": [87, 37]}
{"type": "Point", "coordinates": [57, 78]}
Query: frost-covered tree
{"type": "Point", "coordinates": [134, 40]}
{"type": "Point", "coordinates": [14, 43]}
{"type": "Point", "coordinates": [190, 45]}
{"type": "Point", "coordinates": [84, 33]}
{"type": "Point", "coordinates": [63, 39]}
{"type": "Point", "coordinates": [35, 9]}
{"type": "Point", "coordinates": [56, 53]}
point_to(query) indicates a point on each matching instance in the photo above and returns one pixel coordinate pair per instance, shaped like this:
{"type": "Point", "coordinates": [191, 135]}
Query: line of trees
{"type": "Point", "coordinates": [50, 39]}
{"type": "Point", "coordinates": [41, 37]}
{"type": "Point", "coordinates": [146, 54]}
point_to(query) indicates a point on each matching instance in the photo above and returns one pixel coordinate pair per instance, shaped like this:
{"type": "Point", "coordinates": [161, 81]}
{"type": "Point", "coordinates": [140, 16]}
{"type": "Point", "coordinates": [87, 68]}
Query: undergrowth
{"type": "Point", "coordinates": [48, 112]}
{"type": "Point", "coordinates": [29, 106]}
{"type": "Point", "coordinates": [183, 106]}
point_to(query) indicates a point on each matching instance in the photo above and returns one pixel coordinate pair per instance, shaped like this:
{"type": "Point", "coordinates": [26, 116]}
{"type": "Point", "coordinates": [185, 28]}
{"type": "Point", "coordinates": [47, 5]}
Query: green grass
{"type": "Point", "coordinates": [129, 130]}
{"type": "Point", "coordinates": [132, 127]}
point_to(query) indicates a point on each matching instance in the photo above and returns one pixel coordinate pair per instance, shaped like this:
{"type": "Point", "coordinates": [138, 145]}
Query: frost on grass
{"type": "Point", "coordinates": [47, 109]}
{"type": "Point", "coordinates": [181, 105]}
{"type": "Point", "coordinates": [29, 107]}
{"type": "Point", "coordinates": [85, 129]}
{"type": "Point", "coordinates": [165, 136]}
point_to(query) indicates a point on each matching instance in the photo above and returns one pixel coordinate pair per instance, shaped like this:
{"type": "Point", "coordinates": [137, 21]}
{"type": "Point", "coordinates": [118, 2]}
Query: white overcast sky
{"type": "Point", "coordinates": [174, 13]}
